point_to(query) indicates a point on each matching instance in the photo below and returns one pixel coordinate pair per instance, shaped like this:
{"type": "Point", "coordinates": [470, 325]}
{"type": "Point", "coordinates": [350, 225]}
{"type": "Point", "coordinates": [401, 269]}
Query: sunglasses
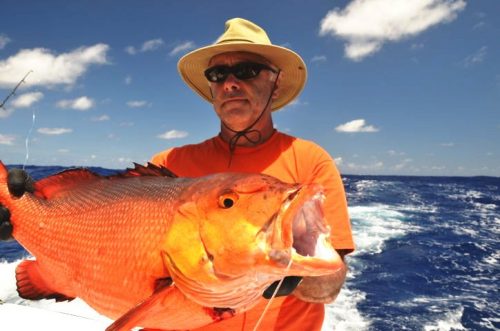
{"type": "Point", "coordinates": [242, 71]}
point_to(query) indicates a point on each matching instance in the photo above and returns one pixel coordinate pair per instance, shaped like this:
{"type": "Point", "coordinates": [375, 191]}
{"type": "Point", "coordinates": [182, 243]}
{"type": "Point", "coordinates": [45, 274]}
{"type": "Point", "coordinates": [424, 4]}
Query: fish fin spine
{"type": "Point", "coordinates": [149, 170]}
{"type": "Point", "coordinates": [32, 286]}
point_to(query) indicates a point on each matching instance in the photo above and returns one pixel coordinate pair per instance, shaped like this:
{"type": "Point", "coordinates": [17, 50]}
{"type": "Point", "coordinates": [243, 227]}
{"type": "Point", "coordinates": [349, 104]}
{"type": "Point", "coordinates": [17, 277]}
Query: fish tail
{"type": "Point", "coordinates": [4, 192]}
{"type": "Point", "coordinates": [3, 173]}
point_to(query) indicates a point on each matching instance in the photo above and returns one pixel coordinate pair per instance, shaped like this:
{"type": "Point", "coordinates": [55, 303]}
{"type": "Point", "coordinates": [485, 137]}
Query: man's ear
{"type": "Point", "coordinates": [277, 85]}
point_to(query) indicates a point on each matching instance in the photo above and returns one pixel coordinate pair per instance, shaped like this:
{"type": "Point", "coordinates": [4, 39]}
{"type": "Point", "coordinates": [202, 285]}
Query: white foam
{"type": "Point", "coordinates": [448, 321]}
{"type": "Point", "coordinates": [492, 259]}
{"type": "Point", "coordinates": [343, 315]}
{"type": "Point", "coordinates": [373, 225]}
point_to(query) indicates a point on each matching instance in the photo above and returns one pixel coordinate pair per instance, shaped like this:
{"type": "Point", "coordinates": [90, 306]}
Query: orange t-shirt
{"type": "Point", "coordinates": [291, 160]}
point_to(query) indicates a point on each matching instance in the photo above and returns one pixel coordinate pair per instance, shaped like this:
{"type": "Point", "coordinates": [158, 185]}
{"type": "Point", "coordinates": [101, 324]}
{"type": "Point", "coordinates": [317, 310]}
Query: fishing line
{"type": "Point", "coordinates": [273, 296]}
{"type": "Point", "coordinates": [26, 142]}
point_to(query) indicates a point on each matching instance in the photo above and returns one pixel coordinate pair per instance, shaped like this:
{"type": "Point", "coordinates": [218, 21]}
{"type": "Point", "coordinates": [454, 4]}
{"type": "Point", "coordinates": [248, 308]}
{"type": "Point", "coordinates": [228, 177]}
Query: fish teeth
{"type": "Point", "coordinates": [322, 249]}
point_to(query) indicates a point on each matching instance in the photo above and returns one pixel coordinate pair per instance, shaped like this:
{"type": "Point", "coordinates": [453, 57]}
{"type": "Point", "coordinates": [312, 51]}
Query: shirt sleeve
{"type": "Point", "coordinates": [160, 159]}
{"type": "Point", "coordinates": [322, 170]}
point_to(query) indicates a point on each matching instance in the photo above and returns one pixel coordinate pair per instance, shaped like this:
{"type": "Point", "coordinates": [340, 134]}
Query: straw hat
{"type": "Point", "coordinates": [244, 36]}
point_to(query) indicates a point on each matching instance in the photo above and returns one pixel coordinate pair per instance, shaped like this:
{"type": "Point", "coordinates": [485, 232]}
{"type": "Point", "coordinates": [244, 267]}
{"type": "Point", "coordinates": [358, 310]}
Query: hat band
{"type": "Point", "coordinates": [232, 40]}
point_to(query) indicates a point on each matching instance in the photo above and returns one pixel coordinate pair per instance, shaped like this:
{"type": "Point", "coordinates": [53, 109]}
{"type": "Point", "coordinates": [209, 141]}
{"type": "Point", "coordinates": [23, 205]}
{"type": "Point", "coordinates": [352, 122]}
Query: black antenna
{"type": "Point", "coordinates": [14, 90]}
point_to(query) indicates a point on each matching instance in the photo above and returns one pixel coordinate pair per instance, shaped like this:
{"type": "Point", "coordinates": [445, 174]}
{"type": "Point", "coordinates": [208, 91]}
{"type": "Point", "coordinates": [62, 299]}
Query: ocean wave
{"type": "Point", "coordinates": [343, 314]}
{"type": "Point", "coordinates": [449, 321]}
{"type": "Point", "coordinates": [374, 225]}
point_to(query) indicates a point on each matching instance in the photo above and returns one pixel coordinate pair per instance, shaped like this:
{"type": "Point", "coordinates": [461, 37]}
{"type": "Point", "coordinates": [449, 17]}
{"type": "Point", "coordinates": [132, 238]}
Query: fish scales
{"type": "Point", "coordinates": [102, 234]}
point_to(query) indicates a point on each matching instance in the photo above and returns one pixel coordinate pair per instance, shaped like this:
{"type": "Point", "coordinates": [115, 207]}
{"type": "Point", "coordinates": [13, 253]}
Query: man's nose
{"type": "Point", "coordinates": [231, 83]}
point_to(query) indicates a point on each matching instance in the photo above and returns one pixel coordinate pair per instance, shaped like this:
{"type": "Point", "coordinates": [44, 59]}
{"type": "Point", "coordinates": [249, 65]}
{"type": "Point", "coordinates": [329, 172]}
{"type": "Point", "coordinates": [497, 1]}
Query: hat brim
{"type": "Point", "coordinates": [192, 66]}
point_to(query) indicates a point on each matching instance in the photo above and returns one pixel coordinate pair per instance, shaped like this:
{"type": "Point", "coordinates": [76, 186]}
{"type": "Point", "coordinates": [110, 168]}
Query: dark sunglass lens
{"type": "Point", "coordinates": [247, 70]}
{"type": "Point", "coordinates": [217, 74]}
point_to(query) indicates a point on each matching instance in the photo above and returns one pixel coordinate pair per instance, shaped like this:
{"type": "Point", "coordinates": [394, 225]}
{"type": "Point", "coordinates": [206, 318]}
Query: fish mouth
{"type": "Point", "coordinates": [301, 237]}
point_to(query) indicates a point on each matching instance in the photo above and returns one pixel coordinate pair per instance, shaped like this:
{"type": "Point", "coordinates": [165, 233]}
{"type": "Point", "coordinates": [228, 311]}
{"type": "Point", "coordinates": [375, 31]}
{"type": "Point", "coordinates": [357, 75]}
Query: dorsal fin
{"type": "Point", "coordinates": [63, 181]}
{"type": "Point", "coordinates": [149, 170]}
{"type": "Point", "coordinates": [67, 179]}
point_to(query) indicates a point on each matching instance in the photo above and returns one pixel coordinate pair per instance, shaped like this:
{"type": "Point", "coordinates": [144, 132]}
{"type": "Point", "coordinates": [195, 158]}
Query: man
{"type": "Point", "coordinates": [246, 78]}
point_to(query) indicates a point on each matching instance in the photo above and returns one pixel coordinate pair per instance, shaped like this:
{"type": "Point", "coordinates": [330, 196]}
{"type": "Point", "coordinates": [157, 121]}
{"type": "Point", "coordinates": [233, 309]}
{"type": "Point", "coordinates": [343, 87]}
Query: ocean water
{"type": "Point", "coordinates": [427, 256]}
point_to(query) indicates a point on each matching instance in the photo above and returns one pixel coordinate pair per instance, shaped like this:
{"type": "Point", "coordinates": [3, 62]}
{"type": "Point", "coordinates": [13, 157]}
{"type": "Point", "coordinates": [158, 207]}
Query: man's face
{"type": "Point", "coordinates": [238, 103]}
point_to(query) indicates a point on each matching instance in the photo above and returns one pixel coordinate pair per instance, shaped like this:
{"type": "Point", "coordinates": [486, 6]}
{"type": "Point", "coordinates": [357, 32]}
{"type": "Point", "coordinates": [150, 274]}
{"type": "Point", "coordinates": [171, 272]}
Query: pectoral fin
{"type": "Point", "coordinates": [166, 309]}
{"type": "Point", "coordinates": [32, 286]}
{"type": "Point", "coordinates": [139, 313]}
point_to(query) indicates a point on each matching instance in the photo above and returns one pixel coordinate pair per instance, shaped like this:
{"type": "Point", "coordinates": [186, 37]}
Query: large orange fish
{"type": "Point", "coordinates": [138, 246]}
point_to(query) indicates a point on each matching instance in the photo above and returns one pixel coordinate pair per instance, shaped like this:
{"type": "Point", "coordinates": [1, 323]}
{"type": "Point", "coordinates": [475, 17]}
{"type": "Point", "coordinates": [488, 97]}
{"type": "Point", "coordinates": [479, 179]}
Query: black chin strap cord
{"type": "Point", "coordinates": [233, 142]}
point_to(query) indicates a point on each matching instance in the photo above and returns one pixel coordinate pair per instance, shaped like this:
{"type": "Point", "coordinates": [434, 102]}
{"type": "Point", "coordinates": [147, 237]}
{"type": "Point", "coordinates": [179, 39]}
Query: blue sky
{"type": "Point", "coordinates": [394, 87]}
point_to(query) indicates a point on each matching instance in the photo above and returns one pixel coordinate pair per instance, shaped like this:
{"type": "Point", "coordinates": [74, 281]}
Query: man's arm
{"type": "Point", "coordinates": [322, 289]}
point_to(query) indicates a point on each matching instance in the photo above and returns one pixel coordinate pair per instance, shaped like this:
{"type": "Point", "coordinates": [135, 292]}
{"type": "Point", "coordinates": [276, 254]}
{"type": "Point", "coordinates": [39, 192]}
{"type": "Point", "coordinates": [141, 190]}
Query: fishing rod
{"type": "Point", "coordinates": [13, 92]}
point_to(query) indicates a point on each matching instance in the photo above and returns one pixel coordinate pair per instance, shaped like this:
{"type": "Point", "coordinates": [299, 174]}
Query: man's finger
{"type": "Point", "coordinates": [19, 182]}
{"type": "Point", "coordinates": [5, 224]}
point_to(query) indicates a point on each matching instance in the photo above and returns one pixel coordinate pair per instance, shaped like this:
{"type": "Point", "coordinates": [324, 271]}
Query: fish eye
{"type": "Point", "coordinates": [227, 200]}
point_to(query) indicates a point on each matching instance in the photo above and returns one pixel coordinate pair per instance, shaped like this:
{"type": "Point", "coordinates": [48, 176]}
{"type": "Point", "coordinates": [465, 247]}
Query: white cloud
{"type": "Point", "coordinates": [27, 99]}
{"type": "Point", "coordinates": [184, 47]}
{"type": "Point", "coordinates": [173, 134]}
{"type": "Point", "coordinates": [54, 131]}
{"type": "Point", "coordinates": [403, 164]}
{"type": "Point", "coordinates": [128, 80]}
{"type": "Point", "coordinates": [152, 45]}
{"type": "Point", "coordinates": [6, 139]}
{"type": "Point", "coordinates": [296, 103]}
{"type": "Point", "coordinates": [147, 46]}
{"type": "Point", "coordinates": [4, 40]}
{"type": "Point", "coordinates": [416, 46]}
{"type": "Point", "coordinates": [81, 103]}
{"type": "Point", "coordinates": [450, 144]}
{"type": "Point", "coordinates": [100, 118]}
{"type": "Point", "coordinates": [358, 125]}
{"type": "Point", "coordinates": [48, 68]}
{"type": "Point", "coordinates": [478, 25]}
{"type": "Point", "coordinates": [338, 161]}
{"type": "Point", "coordinates": [4, 113]}
{"type": "Point", "coordinates": [63, 150]}
{"type": "Point", "coordinates": [377, 165]}
{"type": "Point", "coordinates": [367, 24]}
{"type": "Point", "coordinates": [131, 50]}
{"type": "Point", "coordinates": [125, 160]}
{"type": "Point", "coordinates": [318, 58]}
{"type": "Point", "coordinates": [392, 152]}
{"type": "Point", "coordinates": [138, 103]}
{"type": "Point", "coordinates": [476, 58]}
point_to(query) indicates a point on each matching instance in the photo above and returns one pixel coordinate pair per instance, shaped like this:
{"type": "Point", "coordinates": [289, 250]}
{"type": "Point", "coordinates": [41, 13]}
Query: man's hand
{"type": "Point", "coordinates": [18, 182]}
{"type": "Point", "coordinates": [322, 289]}
{"type": "Point", "coordinates": [5, 224]}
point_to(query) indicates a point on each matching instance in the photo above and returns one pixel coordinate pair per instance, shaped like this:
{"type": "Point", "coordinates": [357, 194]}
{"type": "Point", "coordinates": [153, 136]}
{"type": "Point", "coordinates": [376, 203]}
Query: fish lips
{"type": "Point", "coordinates": [299, 236]}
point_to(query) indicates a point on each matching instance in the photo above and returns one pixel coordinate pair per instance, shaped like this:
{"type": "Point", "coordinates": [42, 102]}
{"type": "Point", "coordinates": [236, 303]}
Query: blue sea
{"type": "Point", "coordinates": [427, 254]}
